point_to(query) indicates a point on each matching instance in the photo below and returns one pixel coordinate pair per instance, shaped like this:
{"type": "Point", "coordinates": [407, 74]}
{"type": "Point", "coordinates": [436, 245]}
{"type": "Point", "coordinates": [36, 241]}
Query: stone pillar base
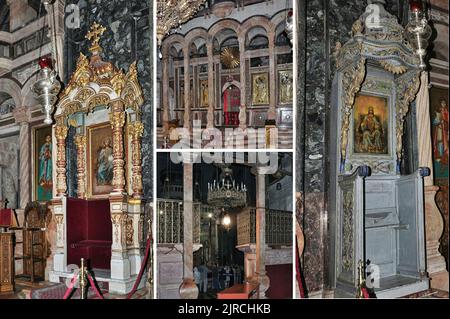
{"type": "Point", "coordinates": [123, 287]}
{"type": "Point", "coordinates": [440, 280]}
{"type": "Point", "coordinates": [264, 284]}
{"type": "Point", "coordinates": [188, 289]}
{"type": "Point", "coordinates": [135, 263]}
{"type": "Point", "coordinates": [59, 262]}
{"type": "Point", "coordinates": [120, 269]}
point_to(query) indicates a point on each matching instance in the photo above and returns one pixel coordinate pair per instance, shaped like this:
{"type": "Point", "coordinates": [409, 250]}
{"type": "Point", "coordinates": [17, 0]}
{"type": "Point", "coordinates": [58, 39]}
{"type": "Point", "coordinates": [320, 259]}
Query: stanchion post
{"type": "Point", "coordinates": [83, 281]}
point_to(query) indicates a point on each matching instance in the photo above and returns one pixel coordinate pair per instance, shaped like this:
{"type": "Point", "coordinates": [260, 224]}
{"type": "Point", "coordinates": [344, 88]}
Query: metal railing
{"type": "Point", "coordinates": [278, 227]}
{"type": "Point", "coordinates": [170, 219]}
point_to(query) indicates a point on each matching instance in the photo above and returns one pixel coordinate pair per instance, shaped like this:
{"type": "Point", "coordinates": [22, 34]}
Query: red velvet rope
{"type": "Point", "coordinates": [71, 285]}
{"type": "Point", "coordinates": [91, 281]}
{"type": "Point", "coordinates": [141, 271]}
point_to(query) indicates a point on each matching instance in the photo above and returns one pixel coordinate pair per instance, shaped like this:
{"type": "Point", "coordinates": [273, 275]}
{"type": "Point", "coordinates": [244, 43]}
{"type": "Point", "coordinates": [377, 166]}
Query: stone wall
{"type": "Point", "coordinates": [128, 38]}
{"type": "Point", "coordinates": [9, 170]}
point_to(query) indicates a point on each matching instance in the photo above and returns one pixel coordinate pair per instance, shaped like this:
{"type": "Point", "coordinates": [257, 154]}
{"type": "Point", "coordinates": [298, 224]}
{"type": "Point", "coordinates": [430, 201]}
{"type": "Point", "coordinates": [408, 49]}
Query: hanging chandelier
{"type": "Point", "coordinates": [47, 85]}
{"type": "Point", "coordinates": [172, 13]}
{"type": "Point", "coordinates": [289, 26]}
{"type": "Point", "coordinates": [226, 192]}
{"type": "Point", "coordinates": [418, 31]}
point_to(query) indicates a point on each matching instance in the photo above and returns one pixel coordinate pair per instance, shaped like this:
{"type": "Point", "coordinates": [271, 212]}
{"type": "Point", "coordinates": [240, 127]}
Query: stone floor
{"type": "Point", "coordinates": [428, 294]}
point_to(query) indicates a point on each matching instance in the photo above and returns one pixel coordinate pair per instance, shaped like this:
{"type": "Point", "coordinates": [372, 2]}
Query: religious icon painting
{"type": "Point", "coordinates": [286, 87]}
{"type": "Point", "coordinates": [439, 131]}
{"type": "Point", "coordinates": [260, 88]}
{"type": "Point", "coordinates": [43, 167]}
{"type": "Point", "coordinates": [370, 125]}
{"type": "Point", "coordinates": [100, 160]}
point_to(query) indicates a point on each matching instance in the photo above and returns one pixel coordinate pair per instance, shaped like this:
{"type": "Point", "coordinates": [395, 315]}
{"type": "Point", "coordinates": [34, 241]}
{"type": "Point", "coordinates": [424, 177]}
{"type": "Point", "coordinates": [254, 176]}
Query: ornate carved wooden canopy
{"type": "Point", "coordinates": [376, 36]}
{"type": "Point", "coordinates": [96, 82]}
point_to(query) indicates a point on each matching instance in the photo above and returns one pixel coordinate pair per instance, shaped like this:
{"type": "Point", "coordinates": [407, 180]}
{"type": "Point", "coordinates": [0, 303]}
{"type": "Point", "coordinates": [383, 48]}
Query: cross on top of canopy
{"type": "Point", "coordinates": [98, 83]}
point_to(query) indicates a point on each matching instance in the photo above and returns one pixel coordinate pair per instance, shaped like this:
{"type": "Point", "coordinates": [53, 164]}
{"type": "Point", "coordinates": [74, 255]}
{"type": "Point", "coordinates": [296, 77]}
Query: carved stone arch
{"type": "Point", "coordinates": [232, 83]}
{"type": "Point", "coordinates": [13, 89]}
{"type": "Point", "coordinates": [256, 21]}
{"type": "Point", "coordinates": [224, 24]}
{"type": "Point", "coordinates": [170, 40]}
{"type": "Point", "coordinates": [194, 34]}
{"type": "Point", "coordinates": [278, 19]}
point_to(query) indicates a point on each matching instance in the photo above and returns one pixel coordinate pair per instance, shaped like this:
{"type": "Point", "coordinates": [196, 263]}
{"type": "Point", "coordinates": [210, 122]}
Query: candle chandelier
{"type": "Point", "coordinates": [226, 192]}
{"type": "Point", "coordinates": [418, 31]}
{"type": "Point", "coordinates": [172, 13]}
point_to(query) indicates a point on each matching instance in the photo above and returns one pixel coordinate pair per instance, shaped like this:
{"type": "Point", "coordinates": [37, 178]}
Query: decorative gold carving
{"type": "Point", "coordinates": [116, 220]}
{"type": "Point", "coordinates": [347, 232]}
{"type": "Point", "coordinates": [230, 58]}
{"type": "Point", "coordinates": [393, 68]}
{"type": "Point", "coordinates": [59, 219]}
{"type": "Point", "coordinates": [357, 27]}
{"type": "Point", "coordinates": [352, 80]}
{"type": "Point", "coordinates": [61, 134]}
{"type": "Point", "coordinates": [136, 130]}
{"type": "Point", "coordinates": [129, 231]}
{"type": "Point", "coordinates": [407, 87]}
{"type": "Point", "coordinates": [80, 142]}
{"type": "Point", "coordinates": [117, 119]}
{"type": "Point", "coordinates": [111, 83]}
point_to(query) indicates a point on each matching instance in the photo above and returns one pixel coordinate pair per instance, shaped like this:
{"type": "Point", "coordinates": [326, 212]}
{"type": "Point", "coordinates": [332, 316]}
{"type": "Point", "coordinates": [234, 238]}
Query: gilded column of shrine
{"type": "Point", "coordinates": [210, 114]}
{"type": "Point", "coordinates": [80, 142]}
{"type": "Point", "coordinates": [61, 134]}
{"type": "Point", "coordinates": [136, 130]}
{"type": "Point", "coordinates": [117, 119]}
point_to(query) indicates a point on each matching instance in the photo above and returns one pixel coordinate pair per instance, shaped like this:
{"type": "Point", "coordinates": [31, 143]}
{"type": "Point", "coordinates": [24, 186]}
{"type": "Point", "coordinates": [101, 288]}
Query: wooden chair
{"type": "Point", "coordinates": [34, 241]}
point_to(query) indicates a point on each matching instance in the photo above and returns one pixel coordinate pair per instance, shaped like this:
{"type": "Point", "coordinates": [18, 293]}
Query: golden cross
{"type": "Point", "coordinates": [95, 33]}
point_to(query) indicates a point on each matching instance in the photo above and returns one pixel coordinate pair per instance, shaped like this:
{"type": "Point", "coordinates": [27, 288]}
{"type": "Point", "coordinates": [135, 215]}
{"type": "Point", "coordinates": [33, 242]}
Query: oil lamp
{"type": "Point", "coordinates": [46, 88]}
{"type": "Point", "coordinates": [418, 31]}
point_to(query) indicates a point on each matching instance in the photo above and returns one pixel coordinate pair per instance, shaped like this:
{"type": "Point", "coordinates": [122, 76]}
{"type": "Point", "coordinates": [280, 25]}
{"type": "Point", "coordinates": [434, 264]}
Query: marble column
{"type": "Point", "coordinates": [165, 91]}
{"type": "Point", "coordinates": [188, 288]}
{"type": "Point", "coordinates": [243, 80]}
{"type": "Point", "coordinates": [22, 117]}
{"type": "Point", "coordinates": [211, 106]}
{"type": "Point", "coordinates": [272, 112]}
{"type": "Point", "coordinates": [187, 89]}
{"type": "Point", "coordinates": [263, 279]}
{"type": "Point", "coordinates": [434, 223]}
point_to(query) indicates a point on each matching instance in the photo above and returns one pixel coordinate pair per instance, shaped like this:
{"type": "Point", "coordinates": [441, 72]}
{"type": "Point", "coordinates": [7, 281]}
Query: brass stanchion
{"type": "Point", "coordinates": [82, 279]}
